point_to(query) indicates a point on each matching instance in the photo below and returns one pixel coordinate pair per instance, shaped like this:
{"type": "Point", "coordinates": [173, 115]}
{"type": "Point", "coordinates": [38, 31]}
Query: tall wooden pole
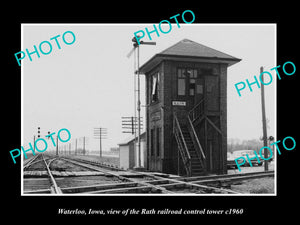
{"type": "Point", "coordinates": [265, 136]}
{"type": "Point", "coordinates": [139, 108]}
{"type": "Point", "coordinates": [57, 145]}
{"type": "Point", "coordinates": [76, 146]}
{"type": "Point", "coordinates": [135, 108]}
{"type": "Point", "coordinates": [100, 143]}
{"type": "Point", "coordinates": [83, 145]}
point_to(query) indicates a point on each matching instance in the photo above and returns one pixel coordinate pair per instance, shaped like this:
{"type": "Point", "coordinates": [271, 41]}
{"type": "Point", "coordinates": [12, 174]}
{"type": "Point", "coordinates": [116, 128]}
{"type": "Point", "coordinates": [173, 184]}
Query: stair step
{"type": "Point", "coordinates": [188, 138]}
{"type": "Point", "coordinates": [196, 166]}
{"type": "Point", "coordinates": [198, 174]}
{"type": "Point", "coordinates": [197, 171]}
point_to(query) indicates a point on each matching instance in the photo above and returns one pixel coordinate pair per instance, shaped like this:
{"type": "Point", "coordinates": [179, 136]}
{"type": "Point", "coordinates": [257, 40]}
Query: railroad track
{"type": "Point", "coordinates": [117, 181]}
{"type": "Point", "coordinates": [43, 184]}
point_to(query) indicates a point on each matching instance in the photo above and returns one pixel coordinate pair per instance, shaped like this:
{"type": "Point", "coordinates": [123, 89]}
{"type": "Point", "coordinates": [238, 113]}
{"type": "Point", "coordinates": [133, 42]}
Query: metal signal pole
{"type": "Point", "coordinates": [136, 45]}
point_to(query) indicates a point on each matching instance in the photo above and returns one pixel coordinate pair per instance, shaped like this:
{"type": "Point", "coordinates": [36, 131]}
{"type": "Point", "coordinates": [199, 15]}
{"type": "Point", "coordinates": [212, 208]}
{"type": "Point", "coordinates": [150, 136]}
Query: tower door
{"type": "Point", "coordinates": [199, 90]}
{"type": "Point", "coordinates": [212, 93]}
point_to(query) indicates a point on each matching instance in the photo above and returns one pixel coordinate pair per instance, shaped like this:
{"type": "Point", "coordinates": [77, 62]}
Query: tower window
{"type": "Point", "coordinates": [181, 81]}
{"type": "Point", "coordinates": [186, 80]}
{"type": "Point", "coordinates": [155, 88]}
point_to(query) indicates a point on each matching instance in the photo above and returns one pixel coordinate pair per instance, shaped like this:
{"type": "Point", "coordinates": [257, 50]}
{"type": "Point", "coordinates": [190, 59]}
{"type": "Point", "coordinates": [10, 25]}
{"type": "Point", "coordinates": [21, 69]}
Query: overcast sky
{"type": "Point", "coordinates": [90, 83]}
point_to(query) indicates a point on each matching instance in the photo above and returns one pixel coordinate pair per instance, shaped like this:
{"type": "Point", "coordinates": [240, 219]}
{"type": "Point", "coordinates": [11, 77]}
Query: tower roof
{"type": "Point", "coordinates": [187, 50]}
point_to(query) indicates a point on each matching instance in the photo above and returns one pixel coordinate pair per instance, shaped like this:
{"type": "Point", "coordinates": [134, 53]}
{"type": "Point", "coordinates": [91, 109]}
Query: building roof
{"type": "Point", "coordinates": [187, 50]}
{"type": "Point", "coordinates": [187, 47]}
{"type": "Point", "coordinates": [132, 138]}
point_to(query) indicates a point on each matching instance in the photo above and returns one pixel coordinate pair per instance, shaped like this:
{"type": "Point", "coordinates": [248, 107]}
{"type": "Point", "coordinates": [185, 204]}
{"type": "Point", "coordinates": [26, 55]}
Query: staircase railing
{"type": "Point", "coordinates": [184, 152]}
{"type": "Point", "coordinates": [198, 147]}
{"type": "Point", "coordinates": [197, 111]}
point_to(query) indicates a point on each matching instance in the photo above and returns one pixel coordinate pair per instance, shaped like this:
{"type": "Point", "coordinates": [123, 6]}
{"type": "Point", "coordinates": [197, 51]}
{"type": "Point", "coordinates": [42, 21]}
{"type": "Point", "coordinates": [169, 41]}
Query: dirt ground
{"type": "Point", "coordinates": [104, 159]}
{"type": "Point", "coordinates": [62, 165]}
{"type": "Point", "coordinates": [256, 186]}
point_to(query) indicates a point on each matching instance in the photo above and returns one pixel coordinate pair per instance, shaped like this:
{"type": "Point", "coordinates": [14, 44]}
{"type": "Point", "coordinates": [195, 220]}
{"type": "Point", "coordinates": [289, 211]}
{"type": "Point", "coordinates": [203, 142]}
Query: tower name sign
{"type": "Point", "coordinates": [179, 103]}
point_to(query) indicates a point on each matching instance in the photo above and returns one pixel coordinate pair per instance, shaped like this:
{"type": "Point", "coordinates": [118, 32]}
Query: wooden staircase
{"type": "Point", "coordinates": [191, 152]}
{"type": "Point", "coordinates": [196, 165]}
{"type": "Point", "coordinates": [189, 146]}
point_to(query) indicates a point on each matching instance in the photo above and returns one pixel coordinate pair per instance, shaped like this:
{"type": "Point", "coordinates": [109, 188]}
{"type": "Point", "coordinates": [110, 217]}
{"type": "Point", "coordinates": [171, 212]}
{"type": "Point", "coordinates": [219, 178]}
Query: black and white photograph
{"type": "Point", "coordinates": [164, 116]}
{"type": "Point", "coordinates": [141, 114]}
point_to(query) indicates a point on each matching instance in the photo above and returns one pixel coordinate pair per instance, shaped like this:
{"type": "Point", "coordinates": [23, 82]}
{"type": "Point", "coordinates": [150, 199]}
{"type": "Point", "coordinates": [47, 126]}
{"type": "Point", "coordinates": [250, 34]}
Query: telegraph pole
{"type": "Point", "coordinates": [129, 124]}
{"type": "Point", "coordinates": [264, 122]}
{"type": "Point", "coordinates": [83, 145]}
{"type": "Point", "coordinates": [57, 145]}
{"type": "Point", "coordinates": [139, 107]}
{"type": "Point", "coordinates": [100, 133]}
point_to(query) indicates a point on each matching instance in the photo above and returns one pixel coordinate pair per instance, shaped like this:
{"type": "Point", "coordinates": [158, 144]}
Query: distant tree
{"type": "Point", "coordinates": [234, 144]}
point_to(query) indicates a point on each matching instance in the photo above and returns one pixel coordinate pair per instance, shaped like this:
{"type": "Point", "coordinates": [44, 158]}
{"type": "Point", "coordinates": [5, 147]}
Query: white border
{"type": "Point", "coordinates": [143, 24]}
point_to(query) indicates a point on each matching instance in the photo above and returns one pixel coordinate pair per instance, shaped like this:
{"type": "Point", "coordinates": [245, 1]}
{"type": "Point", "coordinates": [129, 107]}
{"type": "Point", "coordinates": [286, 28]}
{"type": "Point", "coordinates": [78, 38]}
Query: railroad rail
{"type": "Point", "coordinates": [127, 182]}
{"type": "Point", "coordinates": [53, 187]}
{"type": "Point", "coordinates": [30, 162]}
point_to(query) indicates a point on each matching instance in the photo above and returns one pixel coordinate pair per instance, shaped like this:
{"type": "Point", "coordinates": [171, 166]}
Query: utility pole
{"type": "Point", "coordinates": [100, 133]}
{"type": "Point", "coordinates": [264, 122]}
{"type": "Point", "coordinates": [139, 107]}
{"type": "Point", "coordinates": [129, 124]}
{"type": "Point", "coordinates": [34, 143]}
{"type": "Point", "coordinates": [83, 145]}
{"type": "Point", "coordinates": [57, 145]}
{"type": "Point", "coordinates": [135, 91]}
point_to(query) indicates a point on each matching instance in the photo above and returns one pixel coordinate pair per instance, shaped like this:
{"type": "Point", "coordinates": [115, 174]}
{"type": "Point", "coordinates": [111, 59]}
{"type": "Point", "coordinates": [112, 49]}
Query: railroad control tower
{"type": "Point", "coordinates": [186, 112]}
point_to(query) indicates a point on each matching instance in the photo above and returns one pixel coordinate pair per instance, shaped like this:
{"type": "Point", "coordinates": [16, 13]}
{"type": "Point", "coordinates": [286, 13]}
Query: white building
{"type": "Point", "coordinates": [128, 155]}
